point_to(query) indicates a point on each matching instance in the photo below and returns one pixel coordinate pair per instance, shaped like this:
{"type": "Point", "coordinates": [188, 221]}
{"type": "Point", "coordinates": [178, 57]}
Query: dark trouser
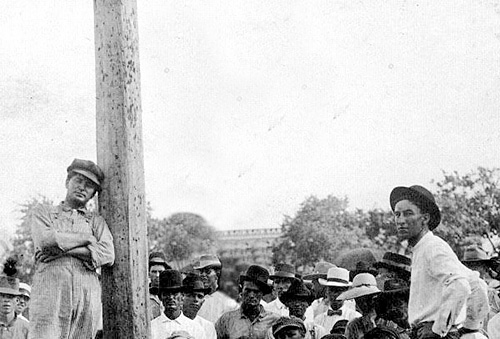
{"type": "Point", "coordinates": [424, 331]}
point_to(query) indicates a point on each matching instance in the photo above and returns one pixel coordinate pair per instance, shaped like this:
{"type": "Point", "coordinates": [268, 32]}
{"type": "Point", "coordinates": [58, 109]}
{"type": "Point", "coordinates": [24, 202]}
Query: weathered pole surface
{"type": "Point", "coordinates": [120, 154]}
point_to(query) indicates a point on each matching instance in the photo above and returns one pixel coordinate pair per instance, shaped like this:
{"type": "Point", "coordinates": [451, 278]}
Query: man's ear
{"type": "Point", "coordinates": [427, 219]}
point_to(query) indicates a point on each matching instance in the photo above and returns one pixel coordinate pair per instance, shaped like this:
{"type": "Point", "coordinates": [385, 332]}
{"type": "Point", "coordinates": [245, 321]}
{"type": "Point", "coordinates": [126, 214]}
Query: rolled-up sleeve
{"type": "Point", "coordinates": [103, 251]}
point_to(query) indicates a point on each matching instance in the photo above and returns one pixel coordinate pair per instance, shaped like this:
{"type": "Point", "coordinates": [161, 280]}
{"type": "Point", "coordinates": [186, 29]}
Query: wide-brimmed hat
{"type": "Point", "coordinates": [9, 285]}
{"type": "Point", "coordinates": [320, 271]}
{"type": "Point", "coordinates": [336, 276]}
{"type": "Point", "coordinates": [475, 254]}
{"type": "Point", "coordinates": [283, 270]}
{"type": "Point", "coordinates": [207, 260]}
{"type": "Point", "coordinates": [169, 281]}
{"type": "Point", "coordinates": [420, 194]}
{"type": "Point", "coordinates": [193, 283]}
{"type": "Point", "coordinates": [363, 284]}
{"type": "Point", "coordinates": [88, 169]}
{"type": "Point", "coordinates": [392, 261]}
{"type": "Point", "coordinates": [158, 258]}
{"type": "Point", "coordinates": [258, 275]}
{"type": "Point", "coordinates": [285, 322]}
{"type": "Point", "coordinates": [297, 291]}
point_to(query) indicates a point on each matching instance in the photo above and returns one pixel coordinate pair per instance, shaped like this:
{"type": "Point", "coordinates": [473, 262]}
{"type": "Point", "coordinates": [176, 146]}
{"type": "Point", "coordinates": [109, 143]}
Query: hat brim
{"type": "Point", "coordinates": [401, 291]}
{"type": "Point", "coordinates": [11, 291]}
{"type": "Point", "coordinates": [162, 263]}
{"type": "Point", "coordinates": [281, 328]}
{"type": "Point", "coordinates": [325, 282]}
{"type": "Point", "coordinates": [214, 265]}
{"type": "Point", "coordinates": [285, 298]}
{"type": "Point", "coordinates": [390, 266]}
{"type": "Point", "coordinates": [283, 275]}
{"type": "Point", "coordinates": [265, 288]}
{"type": "Point", "coordinates": [88, 175]}
{"type": "Point", "coordinates": [202, 290]}
{"type": "Point", "coordinates": [158, 290]}
{"type": "Point", "coordinates": [314, 276]}
{"type": "Point", "coordinates": [357, 292]}
{"type": "Point", "coordinates": [401, 192]}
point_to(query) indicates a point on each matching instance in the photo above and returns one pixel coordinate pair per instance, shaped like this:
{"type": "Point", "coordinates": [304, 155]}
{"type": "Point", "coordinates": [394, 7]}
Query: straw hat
{"type": "Point", "coordinates": [337, 276]}
{"type": "Point", "coordinates": [363, 284]}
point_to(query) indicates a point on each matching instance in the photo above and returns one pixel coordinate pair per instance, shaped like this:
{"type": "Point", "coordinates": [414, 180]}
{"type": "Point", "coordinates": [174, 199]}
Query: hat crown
{"type": "Point", "coordinates": [207, 260]}
{"type": "Point", "coordinates": [391, 257]}
{"type": "Point", "coordinates": [9, 285]}
{"type": "Point", "coordinates": [394, 285]}
{"type": "Point", "coordinates": [298, 289]}
{"type": "Point", "coordinates": [475, 253]}
{"type": "Point", "coordinates": [284, 268]}
{"type": "Point", "coordinates": [257, 273]}
{"type": "Point", "coordinates": [193, 282]}
{"type": "Point", "coordinates": [170, 279]}
{"type": "Point", "coordinates": [285, 322]}
{"type": "Point", "coordinates": [364, 279]}
{"type": "Point", "coordinates": [87, 168]}
{"type": "Point", "coordinates": [338, 273]}
{"type": "Point", "coordinates": [322, 267]}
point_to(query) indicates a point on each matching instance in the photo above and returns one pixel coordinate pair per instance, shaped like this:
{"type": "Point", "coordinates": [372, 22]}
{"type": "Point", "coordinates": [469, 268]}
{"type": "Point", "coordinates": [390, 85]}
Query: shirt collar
{"type": "Point", "coordinates": [261, 315]}
{"type": "Point", "coordinates": [427, 236]}
{"type": "Point", "coordinates": [166, 319]}
{"type": "Point", "coordinates": [65, 208]}
{"type": "Point", "coordinates": [11, 323]}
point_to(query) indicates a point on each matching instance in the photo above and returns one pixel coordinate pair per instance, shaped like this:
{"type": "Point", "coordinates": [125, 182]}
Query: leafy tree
{"type": "Point", "coordinates": [320, 230]}
{"type": "Point", "coordinates": [22, 243]}
{"type": "Point", "coordinates": [181, 236]}
{"type": "Point", "coordinates": [469, 206]}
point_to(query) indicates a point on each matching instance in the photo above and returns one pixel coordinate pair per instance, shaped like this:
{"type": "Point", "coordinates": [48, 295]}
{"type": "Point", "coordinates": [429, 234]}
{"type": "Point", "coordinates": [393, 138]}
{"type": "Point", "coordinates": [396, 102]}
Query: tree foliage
{"type": "Point", "coordinates": [22, 243]}
{"type": "Point", "coordinates": [469, 206]}
{"type": "Point", "coordinates": [320, 230]}
{"type": "Point", "coordinates": [181, 236]}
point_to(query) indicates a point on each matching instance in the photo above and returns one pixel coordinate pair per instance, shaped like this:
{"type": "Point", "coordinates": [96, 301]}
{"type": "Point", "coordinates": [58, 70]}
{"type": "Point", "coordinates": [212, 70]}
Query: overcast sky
{"type": "Point", "coordinates": [251, 106]}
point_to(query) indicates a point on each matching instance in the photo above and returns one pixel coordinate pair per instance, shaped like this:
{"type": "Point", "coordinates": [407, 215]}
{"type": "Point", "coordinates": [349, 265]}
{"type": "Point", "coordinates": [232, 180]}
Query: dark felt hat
{"type": "Point", "coordinates": [283, 270]}
{"type": "Point", "coordinates": [258, 275]}
{"type": "Point", "coordinates": [193, 283]}
{"type": "Point", "coordinates": [422, 195]}
{"type": "Point", "coordinates": [395, 286]}
{"type": "Point", "coordinates": [158, 258]}
{"type": "Point", "coordinates": [170, 281]}
{"type": "Point", "coordinates": [285, 322]}
{"type": "Point", "coordinates": [392, 261]}
{"type": "Point", "coordinates": [320, 271]}
{"type": "Point", "coordinates": [88, 169]}
{"type": "Point", "coordinates": [297, 291]}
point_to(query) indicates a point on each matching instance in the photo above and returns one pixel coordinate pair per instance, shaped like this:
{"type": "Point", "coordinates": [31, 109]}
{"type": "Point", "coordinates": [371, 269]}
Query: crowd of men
{"type": "Point", "coordinates": [433, 294]}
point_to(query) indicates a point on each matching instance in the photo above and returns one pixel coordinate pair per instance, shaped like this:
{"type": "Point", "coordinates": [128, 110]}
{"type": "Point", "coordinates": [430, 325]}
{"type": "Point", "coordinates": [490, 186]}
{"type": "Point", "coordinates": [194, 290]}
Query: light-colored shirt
{"type": "Point", "coordinates": [16, 329]}
{"type": "Point", "coordinates": [163, 327]}
{"type": "Point", "coordinates": [234, 324]}
{"type": "Point", "coordinates": [215, 305]}
{"type": "Point", "coordinates": [327, 321]}
{"type": "Point", "coordinates": [276, 306]}
{"type": "Point", "coordinates": [207, 326]}
{"type": "Point", "coordinates": [441, 285]}
{"type": "Point", "coordinates": [319, 306]}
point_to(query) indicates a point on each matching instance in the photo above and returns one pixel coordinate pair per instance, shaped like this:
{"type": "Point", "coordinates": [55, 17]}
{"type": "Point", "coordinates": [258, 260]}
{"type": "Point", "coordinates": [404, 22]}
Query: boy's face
{"type": "Point", "coordinates": [8, 303]}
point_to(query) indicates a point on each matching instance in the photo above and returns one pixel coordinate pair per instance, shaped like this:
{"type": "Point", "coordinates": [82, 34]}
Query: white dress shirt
{"type": "Point", "coordinates": [327, 321]}
{"type": "Point", "coordinates": [276, 306]}
{"type": "Point", "coordinates": [215, 305]}
{"type": "Point", "coordinates": [208, 327]}
{"type": "Point", "coordinates": [163, 327]}
{"type": "Point", "coordinates": [441, 285]}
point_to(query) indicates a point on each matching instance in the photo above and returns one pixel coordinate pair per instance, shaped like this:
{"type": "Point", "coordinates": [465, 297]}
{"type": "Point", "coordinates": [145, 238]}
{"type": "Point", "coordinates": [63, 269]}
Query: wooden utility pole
{"type": "Point", "coordinates": [120, 155]}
